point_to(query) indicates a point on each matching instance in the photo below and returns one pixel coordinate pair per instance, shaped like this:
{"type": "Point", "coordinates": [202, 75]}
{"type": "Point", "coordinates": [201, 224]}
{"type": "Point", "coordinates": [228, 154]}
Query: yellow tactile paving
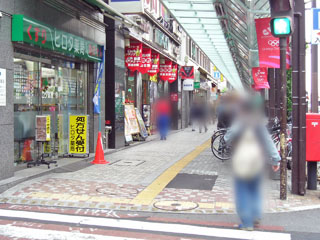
{"type": "Point", "coordinates": [148, 194]}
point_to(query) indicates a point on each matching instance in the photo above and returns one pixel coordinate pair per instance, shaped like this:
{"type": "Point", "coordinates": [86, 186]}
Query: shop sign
{"type": "Point", "coordinates": [174, 97]}
{"type": "Point", "coordinates": [133, 56]}
{"type": "Point", "coordinates": [96, 95]}
{"type": "Point", "coordinates": [166, 70]}
{"type": "Point", "coordinates": [196, 85]}
{"type": "Point", "coordinates": [186, 72]}
{"type": "Point", "coordinates": [174, 74]}
{"type": "Point", "coordinates": [3, 88]}
{"type": "Point", "coordinates": [131, 119]}
{"type": "Point", "coordinates": [268, 45]}
{"type": "Point", "coordinates": [161, 39]}
{"type": "Point", "coordinates": [28, 30]}
{"type": "Point", "coordinates": [155, 59]}
{"type": "Point", "coordinates": [188, 85]}
{"type": "Point", "coordinates": [142, 127]}
{"type": "Point", "coordinates": [260, 78]}
{"type": "Point", "coordinates": [216, 75]}
{"type": "Point", "coordinates": [43, 128]}
{"type": "Point", "coordinates": [78, 127]}
{"type": "Point", "coordinates": [146, 61]}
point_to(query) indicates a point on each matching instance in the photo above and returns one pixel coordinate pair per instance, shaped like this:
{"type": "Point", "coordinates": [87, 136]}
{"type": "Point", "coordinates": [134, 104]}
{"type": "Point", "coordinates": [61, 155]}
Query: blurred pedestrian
{"type": "Point", "coordinates": [252, 147]}
{"type": "Point", "coordinates": [199, 115]}
{"type": "Point", "coordinates": [163, 111]}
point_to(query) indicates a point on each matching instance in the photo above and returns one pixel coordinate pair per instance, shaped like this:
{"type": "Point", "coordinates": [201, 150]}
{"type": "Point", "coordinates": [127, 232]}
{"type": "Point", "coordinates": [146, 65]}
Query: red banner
{"type": "Point", "coordinates": [260, 78]}
{"type": "Point", "coordinates": [186, 72]}
{"type": "Point", "coordinates": [155, 59]}
{"type": "Point", "coordinates": [166, 70]}
{"type": "Point", "coordinates": [146, 60]}
{"type": "Point", "coordinates": [174, 73]}
{"type": "Point", "coordinates": [133, 56]}
{"type": "Point", "coordinates": [269, 49]}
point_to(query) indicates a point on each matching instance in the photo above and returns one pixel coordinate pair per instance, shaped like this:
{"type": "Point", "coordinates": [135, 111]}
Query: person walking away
{"type": "Point", "coordinates": [193, 115]}
{"type": "Point", "coordinates": [203, 115]}
{"type": "Point", "coordinates": [252, 147]}
{"type": "Point", "coordinates": [163, 111]}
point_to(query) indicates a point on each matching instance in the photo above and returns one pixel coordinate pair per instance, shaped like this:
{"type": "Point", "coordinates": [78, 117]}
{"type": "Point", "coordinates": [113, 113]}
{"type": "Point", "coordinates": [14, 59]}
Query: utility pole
{"type": "Point", "coordinates": [312, 166]}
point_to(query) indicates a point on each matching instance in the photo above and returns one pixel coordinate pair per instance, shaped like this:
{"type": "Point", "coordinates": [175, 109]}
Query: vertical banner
{"type": "Point", "coordinates": [268, 45]}
{"type": "Point", "coordinates": [96, 96]}
{"type": "Point", "coordinates": [260, 77]}
{"type": "Point", "coordinates": [61, 145]}
{"type": "Point", "coordinates": [166, 70]}
{"type": "Point", "coordinates": [43, 128]}
{"type": "Point", "coordinates": [146, 60]}
{"type": "Point", "coordinates": [78, 127]}
{"type": "Point", "coordinates": [155, 59]}
{"type": "Point", "coordinates": [174, 74]}
{"type": "Point", "coordinates": [133, 56]}
{"type": "Point", "coordinates": [48, 128]}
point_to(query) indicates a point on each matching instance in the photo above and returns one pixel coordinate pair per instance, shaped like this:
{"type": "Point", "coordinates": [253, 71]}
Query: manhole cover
{"type": "Point", "coordinates": [175, 205]}
{"type": "Point", "coordinates": [118, 191]}
{"type": "Point", "coordinates": [128, 162]}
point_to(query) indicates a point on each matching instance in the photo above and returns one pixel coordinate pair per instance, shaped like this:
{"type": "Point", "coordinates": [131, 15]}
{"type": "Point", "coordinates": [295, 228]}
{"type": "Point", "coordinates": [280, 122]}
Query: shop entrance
{"type": "Point", "coordinates": [52, 87]}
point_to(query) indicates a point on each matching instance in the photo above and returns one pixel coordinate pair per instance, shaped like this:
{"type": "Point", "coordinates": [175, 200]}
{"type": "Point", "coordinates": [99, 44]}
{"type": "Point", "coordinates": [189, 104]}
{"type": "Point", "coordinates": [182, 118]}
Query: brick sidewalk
{"type": "Point", "coordinates": [131, 171]}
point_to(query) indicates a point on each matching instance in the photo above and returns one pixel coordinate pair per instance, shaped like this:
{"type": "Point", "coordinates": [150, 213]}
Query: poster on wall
{"type": "Point", "coordinates": [3, 88]}
{"type": "Point", "coordinates": [268, 45]}
{"type": "Point", "coordinates": [146, 60]}
{"type": "Point", "coordinates": [155, 59]}
{"type": "Point", "coordinates": [166, 70]}
{"type": "Point", "coordinates": [143, 130]}
{"type": "Point", "coordinates": [174, 74]}
{"type": "Point", "coordinates": [260, 78]}
{"type": "Point", "coordinates": [43, 128]}
{"type": "Point", "coordinates": [133, 56]}
{"type": "Point", "coordinates": [186, 72]}
{"type": "Point", "coordinates": [130, 115]}
{"type": "Point", "coordinates": [78, 134]}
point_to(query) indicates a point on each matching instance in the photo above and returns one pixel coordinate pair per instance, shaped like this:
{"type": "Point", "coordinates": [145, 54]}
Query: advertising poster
{"type": "Point", "coordinates": [130, 115]}
{"type": "Point", "coordinates": [155, 59]}
{"type": "Point", "coordinates": [146, 60]}
{"type": "Point", "coordinates": [133, 56]}
{"type": "Point", "coordinates": [143, 130]}
{"type": "Point", "coordinates": [47, 148]}
{"type": "Point", "coordinates": [174, 73]}
{"type": "Point", "coordinates": [166, 70]}
{"type": "Point", "coordinates": [260, 78]}
{"type": "Point", "coordinates": [187, 72]}
{"type": "Point", "coordinates": [268, 45]}
{"type": "Point", "coordinates": [43, 128]}
{"type": "Point", "coordinates": [78, 127]}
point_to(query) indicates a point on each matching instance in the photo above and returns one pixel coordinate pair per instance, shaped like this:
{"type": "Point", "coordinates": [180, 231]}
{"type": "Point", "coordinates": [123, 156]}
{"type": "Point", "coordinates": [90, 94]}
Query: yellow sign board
{"type": "Point", "coordinates": [154, 78]}
{"type": "Point", "coordinates": [48, 127]}
{"type": "Point", "coordinates": [78, 127]}
{"type": "Point", "coordinates": [47, 147]}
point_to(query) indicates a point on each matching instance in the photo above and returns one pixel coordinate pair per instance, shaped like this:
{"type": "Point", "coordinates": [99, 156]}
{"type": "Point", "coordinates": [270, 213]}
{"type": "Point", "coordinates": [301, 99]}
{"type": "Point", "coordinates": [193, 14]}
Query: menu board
{"type": "Point", "coordinates": [143, 130]}
{"type": "Point", "coordinates": [43, 128]}
{"type": "Point", "coordinates": [132, 122]}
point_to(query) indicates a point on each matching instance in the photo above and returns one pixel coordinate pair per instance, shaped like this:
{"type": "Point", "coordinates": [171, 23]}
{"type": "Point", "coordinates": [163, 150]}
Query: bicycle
{"type": "Point", "coordinates": [219, 147]}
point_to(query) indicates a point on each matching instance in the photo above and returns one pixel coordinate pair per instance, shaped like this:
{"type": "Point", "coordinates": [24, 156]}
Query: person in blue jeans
{"type": "Point", "coordinates": [252, 147]}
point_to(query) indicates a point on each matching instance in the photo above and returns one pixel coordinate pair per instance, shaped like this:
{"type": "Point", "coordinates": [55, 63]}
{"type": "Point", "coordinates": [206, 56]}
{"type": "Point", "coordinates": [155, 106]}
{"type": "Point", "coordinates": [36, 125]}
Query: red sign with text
{"type": "Point", "coordinates": [268, 45]}
{"type": "Point", "coordinates": [166, 70]}
{"type": "Point", "coordinates": [260, 78]}
{"type": "Point", "coordinates": [174, 73]}
{"type": "Point", "coordinates": [155, 61]}
{"type": "Point", "coordinates": [133, 56]}
{"type": "Point", "coordinates": [174, 97]}
{"type": "Point", "coordinates": [146, 60]}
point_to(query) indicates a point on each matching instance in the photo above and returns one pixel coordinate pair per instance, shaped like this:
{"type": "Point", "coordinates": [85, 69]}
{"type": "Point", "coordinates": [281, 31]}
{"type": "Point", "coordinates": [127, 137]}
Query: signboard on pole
{"type": "Point", "coordinates": [131, 117]}
{"type": "Point", "coordinates": [188, 85]}
{"type": "Point", "coordinates": [43, 128]}
{"type": "Point", "coordinates": [315, 38]}
{"type": "Point", "coordinates": [78, 134]}
{"type": "Point", "coordinates": [3, 88]}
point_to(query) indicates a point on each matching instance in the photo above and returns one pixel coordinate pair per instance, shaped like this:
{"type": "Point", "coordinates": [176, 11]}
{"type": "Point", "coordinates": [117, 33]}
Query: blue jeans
{"type": "Point", "coordinates": [163, 125]}
{"type": "Point", "coordinates": [248, 200]}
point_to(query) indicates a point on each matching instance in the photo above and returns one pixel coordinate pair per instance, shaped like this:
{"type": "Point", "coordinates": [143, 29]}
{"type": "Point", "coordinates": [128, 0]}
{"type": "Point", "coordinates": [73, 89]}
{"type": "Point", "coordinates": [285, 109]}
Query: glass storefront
{"type": "Point", "coordinates": [57, 89]}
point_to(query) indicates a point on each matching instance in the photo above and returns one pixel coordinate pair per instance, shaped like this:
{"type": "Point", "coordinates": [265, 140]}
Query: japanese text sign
{"type": "Point", "coordinates": [174, 72]}
{"type": "Point", "coordinates": [187, 72]}
{"type": "Point", "coordinates": [43, 128]}
{"type": "Point", "coordinates": [78, 127]}
{"type": "Point", "coordinates": [166, 70]}
{"type": "Point", "coordinates": [260, 78]}
{"type": "Point", "coordinates": [133, 56]}
{"type": "Point", "coordinates": [25, 29]}
{"type": "Point", "coordinates": [146, 60]}
{"type": "Point", "coordinates": [155, 59]}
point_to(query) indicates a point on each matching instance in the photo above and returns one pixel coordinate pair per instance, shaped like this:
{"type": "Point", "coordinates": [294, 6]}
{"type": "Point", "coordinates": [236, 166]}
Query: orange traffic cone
{"type": "Point", "coordinates": [99, 157]}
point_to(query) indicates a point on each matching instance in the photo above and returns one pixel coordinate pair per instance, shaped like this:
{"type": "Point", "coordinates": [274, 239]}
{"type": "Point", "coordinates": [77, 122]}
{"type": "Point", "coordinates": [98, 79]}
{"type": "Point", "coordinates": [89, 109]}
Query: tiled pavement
{"type": "Point", "coordinates": [116, 185]}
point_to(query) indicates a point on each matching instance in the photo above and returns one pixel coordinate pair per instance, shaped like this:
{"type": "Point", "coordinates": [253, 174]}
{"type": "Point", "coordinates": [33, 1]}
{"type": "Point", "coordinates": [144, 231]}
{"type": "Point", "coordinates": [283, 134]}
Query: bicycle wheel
{"type": "Point", "coordinates": [213, 137]}
{"type": "Point", "coordinates": [219, 148]}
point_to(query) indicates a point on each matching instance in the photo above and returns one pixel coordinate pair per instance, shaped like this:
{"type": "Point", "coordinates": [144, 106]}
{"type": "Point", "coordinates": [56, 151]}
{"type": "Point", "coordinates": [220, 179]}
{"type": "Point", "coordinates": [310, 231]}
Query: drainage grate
{"type": "Point", "coordinates": [193, 181]}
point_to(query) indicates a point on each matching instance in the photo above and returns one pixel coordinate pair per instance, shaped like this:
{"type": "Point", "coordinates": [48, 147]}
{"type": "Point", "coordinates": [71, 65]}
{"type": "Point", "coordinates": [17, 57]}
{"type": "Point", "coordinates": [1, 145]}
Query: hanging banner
{"type": "Point", "coordinates": [146, 60]}
{"type": "Point", "coordinates": [260, 77]}
{"type": "Point", "coordinates": [166, 70]}
{"type": "Point", "coordinates": [186, 72]}
{"type": "Point", "coordinates": [78, 128]}
{"type": "Point", "coordinates": [174, 73]}
{"type": "Point", "coordinates": [268, 45]}
{"type": "Point", "coordinates": [155, 59]}
{"type": "Point", "coordinates": [154, 78]}
{"type": "Point", "coordinates": [43, 128]}
{"type": "Point", "coordinates": [96, 95]}
{"type": "Point", "coordinates": [133, 56]}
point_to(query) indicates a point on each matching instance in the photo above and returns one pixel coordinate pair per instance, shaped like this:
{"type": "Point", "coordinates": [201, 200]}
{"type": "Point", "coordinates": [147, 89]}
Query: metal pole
{"type": "Point", "coordinates": [312, 166]}
{"type": "Point", "coordinates": [283, 123]}
{"type": "Point", "coordinates": [272, 109]}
